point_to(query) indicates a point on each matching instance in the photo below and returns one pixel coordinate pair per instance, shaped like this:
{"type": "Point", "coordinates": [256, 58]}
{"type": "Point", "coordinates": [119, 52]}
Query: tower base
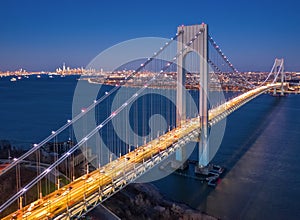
{"type": "Point", "coordinates": [203, 170]}
{"type": "Point", "coordinates": [209, 170]}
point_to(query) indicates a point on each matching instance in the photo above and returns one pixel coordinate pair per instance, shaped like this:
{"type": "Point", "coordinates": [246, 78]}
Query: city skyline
{"type": "Point", "coordinates": [40, 36]}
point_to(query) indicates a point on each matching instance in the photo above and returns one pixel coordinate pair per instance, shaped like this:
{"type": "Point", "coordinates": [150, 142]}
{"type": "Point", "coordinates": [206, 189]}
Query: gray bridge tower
{"type": "Point", "coordinates": [278, 68]}
{"type": "Point", "coordinates": [199, 46]}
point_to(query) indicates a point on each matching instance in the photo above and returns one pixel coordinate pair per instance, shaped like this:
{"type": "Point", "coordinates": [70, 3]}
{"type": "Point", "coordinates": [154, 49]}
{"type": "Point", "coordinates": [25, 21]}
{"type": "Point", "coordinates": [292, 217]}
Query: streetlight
{"type": "Point", "coordinates": [58, 183]}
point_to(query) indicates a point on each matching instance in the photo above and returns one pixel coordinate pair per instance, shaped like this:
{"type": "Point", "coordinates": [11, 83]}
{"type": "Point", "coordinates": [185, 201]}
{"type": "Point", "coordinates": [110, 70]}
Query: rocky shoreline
{"type": "Point", "coordinates": [143, 201]}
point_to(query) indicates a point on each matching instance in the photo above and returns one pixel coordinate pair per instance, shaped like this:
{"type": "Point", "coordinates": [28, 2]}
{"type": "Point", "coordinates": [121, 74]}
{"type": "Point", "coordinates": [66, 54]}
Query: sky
{"type": "Point", "coordinates": [42, 34]}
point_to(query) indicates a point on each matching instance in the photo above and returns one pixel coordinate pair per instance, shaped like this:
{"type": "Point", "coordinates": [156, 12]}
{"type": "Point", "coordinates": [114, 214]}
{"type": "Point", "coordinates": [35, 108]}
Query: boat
{"type": "Point", "coordinates": [38, 76]}
{"type": "Point", "coordinates": [13, 79]}
{"type": "Point", "coordinates": [19, 77]}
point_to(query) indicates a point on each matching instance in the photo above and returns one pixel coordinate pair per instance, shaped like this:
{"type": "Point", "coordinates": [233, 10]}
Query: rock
{"type": "Point", "coordinates": [159, 208]}
{"type": "Point", "coordinates": [143, 201]}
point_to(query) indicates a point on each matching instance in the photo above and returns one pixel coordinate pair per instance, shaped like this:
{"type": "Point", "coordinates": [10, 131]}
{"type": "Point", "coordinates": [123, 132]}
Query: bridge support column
{"type": "Point", "coordinates": [278, 68]}
{"type": "Point", "coordinates": [181, 95]}
{"type": "Point", "coordinates": [274, 91]}
{"type": "Point", "coordinates": [282, 79]}
{"type": "Point", "coordinates": [200, 46]}
{"type": "Point", "coordinates": [203, 101]}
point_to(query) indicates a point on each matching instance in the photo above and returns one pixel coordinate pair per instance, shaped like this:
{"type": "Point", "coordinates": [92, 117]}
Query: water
{"type": "Point", "coordinates": [31, 108]}
{"type": "Point", "coordinates": [260, 149]}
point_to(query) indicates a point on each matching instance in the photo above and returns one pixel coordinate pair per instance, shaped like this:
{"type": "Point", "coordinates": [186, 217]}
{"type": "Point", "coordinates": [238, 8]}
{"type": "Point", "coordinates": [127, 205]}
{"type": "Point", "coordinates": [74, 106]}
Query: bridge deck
{"type": "Point", "coordinates": [105, 181]}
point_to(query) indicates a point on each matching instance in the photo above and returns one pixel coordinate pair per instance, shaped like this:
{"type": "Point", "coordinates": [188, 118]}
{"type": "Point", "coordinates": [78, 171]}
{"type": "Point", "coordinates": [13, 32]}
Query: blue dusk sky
{"type": "Point", "coordinates": [42, 34]}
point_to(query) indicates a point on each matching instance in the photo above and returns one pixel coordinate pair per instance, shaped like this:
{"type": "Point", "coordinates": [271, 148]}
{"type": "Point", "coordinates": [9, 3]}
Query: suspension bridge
{"type": "Point", "coordinates": [87, 191]}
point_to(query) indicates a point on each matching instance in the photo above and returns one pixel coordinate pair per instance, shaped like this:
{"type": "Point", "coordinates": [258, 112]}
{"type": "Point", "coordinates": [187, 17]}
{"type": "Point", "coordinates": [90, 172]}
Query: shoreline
{"type": "Point", "coordinates": [144, 201]}
{"type": "Point", "coordinates": [173, 87]}
{"type": "Point", "coordinates": [153, 86]}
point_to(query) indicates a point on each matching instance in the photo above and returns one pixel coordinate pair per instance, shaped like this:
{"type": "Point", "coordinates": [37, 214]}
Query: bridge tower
{"type": "Point", "coordinates": [200, 46]}
{"type": "Point", "coordinates": [278, 69]}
